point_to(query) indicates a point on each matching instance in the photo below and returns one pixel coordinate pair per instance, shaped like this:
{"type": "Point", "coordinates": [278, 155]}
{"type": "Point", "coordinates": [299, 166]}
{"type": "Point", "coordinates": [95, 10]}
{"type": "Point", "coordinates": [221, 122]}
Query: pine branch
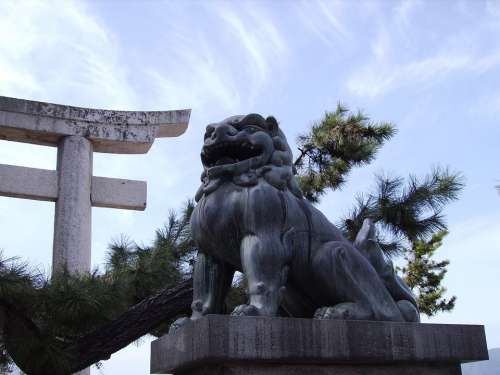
{"type": "Point", "coordinates": [339, 142]}
{"type": "Point", "coordinates": [135, 323]}
{"type": "Point", "coordinates": [43, 355]}
{"type": "Point", "coordinates": [405, 211]}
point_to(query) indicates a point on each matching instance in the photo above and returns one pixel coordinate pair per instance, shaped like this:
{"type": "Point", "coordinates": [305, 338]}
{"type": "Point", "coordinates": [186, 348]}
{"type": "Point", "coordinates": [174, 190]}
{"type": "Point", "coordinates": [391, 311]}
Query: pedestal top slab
{"type": "Point", "coordinates": [222, 339]}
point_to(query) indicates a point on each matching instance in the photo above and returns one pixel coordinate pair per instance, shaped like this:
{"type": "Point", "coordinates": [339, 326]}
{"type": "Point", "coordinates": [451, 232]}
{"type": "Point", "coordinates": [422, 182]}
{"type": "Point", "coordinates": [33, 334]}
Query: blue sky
{"type": "Point", "coordinates": [431, 68]}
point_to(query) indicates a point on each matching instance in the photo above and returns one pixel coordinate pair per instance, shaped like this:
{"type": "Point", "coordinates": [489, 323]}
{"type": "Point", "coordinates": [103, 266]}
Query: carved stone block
{"type": "Point", "coordinates": [224, 345]}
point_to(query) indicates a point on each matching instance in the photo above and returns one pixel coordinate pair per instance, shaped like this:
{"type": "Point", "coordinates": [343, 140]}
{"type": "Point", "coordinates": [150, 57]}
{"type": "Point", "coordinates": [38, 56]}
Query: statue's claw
{"type": "Point", "coordinates": [342, 311]}
{"type": "Point", "coordinates": [245, 310]}
{"type": "Point", "coordinates": [178, 324]}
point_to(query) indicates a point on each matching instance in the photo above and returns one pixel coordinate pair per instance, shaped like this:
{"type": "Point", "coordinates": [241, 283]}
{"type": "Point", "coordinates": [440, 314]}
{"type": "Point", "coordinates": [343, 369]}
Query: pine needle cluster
{"type": "Point", "coordinates": [340, 141]}
{"type": "Point", "coordinates": [405, 210]}
{"type": "Point", "coordinates": [424, 275]}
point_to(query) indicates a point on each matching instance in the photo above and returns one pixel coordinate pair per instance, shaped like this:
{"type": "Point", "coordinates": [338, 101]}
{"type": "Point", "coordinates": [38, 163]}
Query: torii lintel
{"type": "Point", "coordinates": [119, 132]}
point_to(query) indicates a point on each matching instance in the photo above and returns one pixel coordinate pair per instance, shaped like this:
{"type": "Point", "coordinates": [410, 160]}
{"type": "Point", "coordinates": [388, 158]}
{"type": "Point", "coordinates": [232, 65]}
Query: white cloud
{"type": "Point", "coordinates": [401, 58]}
{"type": "Point", "coordinates": [255, 33]}
{"type": "Point", "coordinates": [224, 63]}
{"type": "Point", "coordinates": [50, 50]}
{"type": "Point", "coordinates": [378, 79]}
{"type": "Point", "coordinates": [192, 79]}
{"type": "Point", "coordinates": [324, 20]}
{"type": "Point", "coordinates": [382, 76]}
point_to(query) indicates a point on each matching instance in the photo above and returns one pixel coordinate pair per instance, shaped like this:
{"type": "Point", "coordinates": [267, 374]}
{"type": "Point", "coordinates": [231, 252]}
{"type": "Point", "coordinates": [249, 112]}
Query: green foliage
{"type": "Point", "coordinates": [340, 141]}
{"type": "Point", "coordinates": [144, 270]}
{"type": "Point", "coordinates": [45, 314]}
{"type": "Point", "coordinates": [424, 275]}
{"type": "Point", "coordinates": [405, 210]}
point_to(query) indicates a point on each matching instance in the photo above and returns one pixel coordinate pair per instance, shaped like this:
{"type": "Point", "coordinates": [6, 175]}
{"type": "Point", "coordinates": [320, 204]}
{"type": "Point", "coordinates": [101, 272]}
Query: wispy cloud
{"type": "Point", "coordinates": [324, 19]}
{"type": "Point", "coordinates": [378, 79]}
{"type": "Point", "coordinates": [191, 78]}
{"type": "Point", "coordinates": [225, 62]}
{"type": "Point", "coordinates": [397, 62]}
{"type": "Point", "coordinates": [257, 36]}
{"type": "Point", "coordinates": [49, 50]}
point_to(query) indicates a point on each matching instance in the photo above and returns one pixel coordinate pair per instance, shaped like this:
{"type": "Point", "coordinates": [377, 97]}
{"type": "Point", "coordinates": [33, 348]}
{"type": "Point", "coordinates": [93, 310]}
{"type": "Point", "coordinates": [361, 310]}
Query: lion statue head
{"type": "Point", "coordinates": [245, 149]}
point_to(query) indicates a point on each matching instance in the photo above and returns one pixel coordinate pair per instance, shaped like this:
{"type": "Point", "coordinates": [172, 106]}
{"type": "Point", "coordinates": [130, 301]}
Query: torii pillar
{"type": "Point", "coordinates": [78, 133]}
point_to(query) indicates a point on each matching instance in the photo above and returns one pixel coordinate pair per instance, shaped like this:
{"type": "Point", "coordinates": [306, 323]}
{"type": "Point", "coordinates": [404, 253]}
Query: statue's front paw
{"type": "Point", "coordinates": [245, 310]}
{"type": "Point", "coordinates": [178, 324]}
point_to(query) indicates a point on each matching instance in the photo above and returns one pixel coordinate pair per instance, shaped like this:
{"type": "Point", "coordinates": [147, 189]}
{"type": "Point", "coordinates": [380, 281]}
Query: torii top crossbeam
{"type": "Point", "coordinates": [118, 132]}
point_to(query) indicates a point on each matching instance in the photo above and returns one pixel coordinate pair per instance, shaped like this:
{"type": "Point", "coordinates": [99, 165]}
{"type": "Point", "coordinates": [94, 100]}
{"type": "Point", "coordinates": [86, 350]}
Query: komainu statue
{"type": "Point", "coordinates": [251, 217]}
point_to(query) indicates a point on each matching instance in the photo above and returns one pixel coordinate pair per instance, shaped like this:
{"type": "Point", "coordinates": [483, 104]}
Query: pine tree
{"type": "Point", "coordinates": [424, 275]}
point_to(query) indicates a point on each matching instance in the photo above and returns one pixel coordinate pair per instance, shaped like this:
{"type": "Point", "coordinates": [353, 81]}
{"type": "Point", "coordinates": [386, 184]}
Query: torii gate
{"type": "Point", "coordinates": [77, 133]}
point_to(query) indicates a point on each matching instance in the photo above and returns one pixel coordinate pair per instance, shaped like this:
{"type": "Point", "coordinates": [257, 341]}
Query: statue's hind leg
{"type": "Point", "coordinates": [353, 284]}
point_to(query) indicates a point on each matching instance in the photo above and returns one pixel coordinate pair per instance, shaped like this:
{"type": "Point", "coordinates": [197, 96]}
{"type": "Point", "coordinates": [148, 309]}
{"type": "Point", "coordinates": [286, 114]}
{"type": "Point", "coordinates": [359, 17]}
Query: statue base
{"type": "Point", "coordinates": [227, 345]}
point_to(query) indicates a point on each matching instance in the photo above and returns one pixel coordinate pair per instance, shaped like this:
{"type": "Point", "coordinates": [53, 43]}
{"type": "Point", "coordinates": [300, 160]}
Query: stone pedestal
{"type": "Point", "coordinates": [225, 345]}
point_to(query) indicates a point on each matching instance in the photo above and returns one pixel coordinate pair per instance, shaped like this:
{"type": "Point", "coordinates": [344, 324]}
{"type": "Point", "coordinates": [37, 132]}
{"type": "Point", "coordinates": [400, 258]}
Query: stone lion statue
{"type": "Point", "coordinates": [251, 217]}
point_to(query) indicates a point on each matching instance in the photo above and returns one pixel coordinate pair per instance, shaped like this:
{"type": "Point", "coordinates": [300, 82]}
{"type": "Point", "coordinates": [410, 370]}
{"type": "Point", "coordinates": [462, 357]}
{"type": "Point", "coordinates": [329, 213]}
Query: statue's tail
{"type": "Point", "coordinates": [366, 243]}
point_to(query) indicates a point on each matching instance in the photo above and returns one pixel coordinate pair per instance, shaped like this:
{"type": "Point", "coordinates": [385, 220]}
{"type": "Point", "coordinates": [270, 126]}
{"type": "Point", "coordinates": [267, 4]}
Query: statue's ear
{"type": "Point", "coordinates": [272, 125]}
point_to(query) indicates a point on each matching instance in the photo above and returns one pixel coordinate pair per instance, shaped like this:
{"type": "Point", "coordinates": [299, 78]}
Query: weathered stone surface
{"type": "Point", "coordinates": [110, 131]}
{"type": "Point", "coordinates": [246, 342]}
{"type": "Point", "coordinates": [72, 224]}
{"type": "Point", "coordinates": [413, 369]}
{"type": "Point", "coordinates": [119, 193]}
{"type": "Point", "coordinates": [28, 183]}
{"type": "Point", "coordinates": [42, 184]}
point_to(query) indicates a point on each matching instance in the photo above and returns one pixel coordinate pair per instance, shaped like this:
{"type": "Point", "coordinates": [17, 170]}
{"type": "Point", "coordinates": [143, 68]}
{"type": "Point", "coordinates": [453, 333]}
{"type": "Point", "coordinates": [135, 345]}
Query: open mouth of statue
{"type": "Point", "coordinates": [224, 153]}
